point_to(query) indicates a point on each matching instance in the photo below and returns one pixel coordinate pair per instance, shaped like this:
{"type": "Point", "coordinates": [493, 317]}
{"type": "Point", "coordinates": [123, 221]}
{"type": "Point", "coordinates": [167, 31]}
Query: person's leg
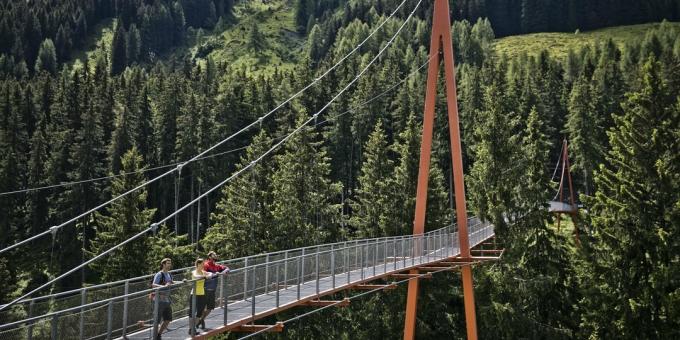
{"type": "Point", "coordinates": [167, 317]}
{"type": "Point", "coordinates": [200, 307]}
{"type": "Point", "coordinates": [164, 326]}
{"type": "Point", "coordinates": [205, 315]}
{"type": "Point", "coordinates": [209, 304]}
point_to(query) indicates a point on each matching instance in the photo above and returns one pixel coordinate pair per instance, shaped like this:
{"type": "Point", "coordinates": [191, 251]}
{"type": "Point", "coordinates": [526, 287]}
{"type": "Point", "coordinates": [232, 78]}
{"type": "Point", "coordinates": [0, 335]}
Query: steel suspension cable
{"type": "Point", "coordinates": [73, 270]}
{"type": "Point", "coordinates": [299, 128]}
{"type": "Point", "coordinates": [202, 153]}
{"type": "Point", "coordinates": [103, 178]}
{"type": "Point", "coordinates": [156, 224]}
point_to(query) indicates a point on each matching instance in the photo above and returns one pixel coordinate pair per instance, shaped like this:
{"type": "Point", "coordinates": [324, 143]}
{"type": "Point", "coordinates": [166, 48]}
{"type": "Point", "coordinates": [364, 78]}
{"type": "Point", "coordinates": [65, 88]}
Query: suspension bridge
{"type": "Point", "coordinates": [264, 285]}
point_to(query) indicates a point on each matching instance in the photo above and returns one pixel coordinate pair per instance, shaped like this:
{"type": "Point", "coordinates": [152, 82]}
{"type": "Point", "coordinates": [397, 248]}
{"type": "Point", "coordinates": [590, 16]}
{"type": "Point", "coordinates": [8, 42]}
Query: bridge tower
{"type": "Point", "coordinates": [559, 207]}
{"type": "Point", "coordinates": [441, 47]}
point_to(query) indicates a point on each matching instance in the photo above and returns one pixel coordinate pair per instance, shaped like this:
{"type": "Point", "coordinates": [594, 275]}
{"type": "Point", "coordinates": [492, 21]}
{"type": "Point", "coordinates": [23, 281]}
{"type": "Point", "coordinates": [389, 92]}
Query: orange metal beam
{"type": "Point", "coordinates": [371, 287]}
{"type": "Point", "coordinates": [278, 327]}
{"type": "Point", "coordinates": [436, 269]}
{"type": "Point", "coordinates": [487, 250]}
{"type": "Point", "coordinates": [441, 46]}
{"type": "Point", "coordinates": [323, 303]}
{"type": "Point", "coordinates": [572, 201]}
{"type": "Point", "coordinates": [412, 275]}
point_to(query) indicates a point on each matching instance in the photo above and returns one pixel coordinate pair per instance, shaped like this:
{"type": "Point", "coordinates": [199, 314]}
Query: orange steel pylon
{"type": "Point", "coordinates": [442, 47]}
{"type": "Point", "coordinates": [573, 209]}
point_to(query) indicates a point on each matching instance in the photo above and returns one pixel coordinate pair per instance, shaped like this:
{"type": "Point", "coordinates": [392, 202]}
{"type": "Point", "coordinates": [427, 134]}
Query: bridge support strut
{"type": "Point", "coordinates": [441, 47]}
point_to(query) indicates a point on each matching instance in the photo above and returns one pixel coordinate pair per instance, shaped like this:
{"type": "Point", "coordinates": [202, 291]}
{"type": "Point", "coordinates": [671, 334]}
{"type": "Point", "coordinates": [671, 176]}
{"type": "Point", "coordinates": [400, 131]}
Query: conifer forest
{"type": "Point", "coordinates": [99, 96]}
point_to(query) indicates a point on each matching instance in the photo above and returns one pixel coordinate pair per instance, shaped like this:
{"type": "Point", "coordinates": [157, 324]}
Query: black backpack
{"type": "Point", "coordinates": [152, 295]}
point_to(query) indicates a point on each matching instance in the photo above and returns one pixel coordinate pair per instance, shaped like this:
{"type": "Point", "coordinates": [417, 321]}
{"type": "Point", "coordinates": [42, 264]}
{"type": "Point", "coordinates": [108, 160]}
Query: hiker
{"type": "Point", "coordinates": [211, 284]}
{"type": "Point", "coordinates": [163, 279]}
{"type": "Point", "coordinates": [198, 291]}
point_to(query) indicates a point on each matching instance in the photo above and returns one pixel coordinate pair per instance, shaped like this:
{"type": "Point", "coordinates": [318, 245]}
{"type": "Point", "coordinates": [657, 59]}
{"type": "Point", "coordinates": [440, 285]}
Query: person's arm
{"type": "Point", "coordinates": [218, 268]}
{"type": "Point", "coordinates": [157, 281]}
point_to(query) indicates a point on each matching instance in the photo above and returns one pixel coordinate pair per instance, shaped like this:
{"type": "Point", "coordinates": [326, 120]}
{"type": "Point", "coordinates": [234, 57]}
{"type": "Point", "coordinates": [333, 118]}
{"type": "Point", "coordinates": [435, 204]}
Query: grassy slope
{"type": "Point", "coordinates": [275, 21]}
{"type": "Point", "coordinates": [558, 44]}
{"type": "Point", "coordinates": [283, 46]}
{"type": "Point", "coordinates": [98, 41]}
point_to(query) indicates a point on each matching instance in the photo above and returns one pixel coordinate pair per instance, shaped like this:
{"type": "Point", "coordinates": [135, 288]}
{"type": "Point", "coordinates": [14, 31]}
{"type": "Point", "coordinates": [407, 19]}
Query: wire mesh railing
{"type": "Point", "coordinates": [282, 277]}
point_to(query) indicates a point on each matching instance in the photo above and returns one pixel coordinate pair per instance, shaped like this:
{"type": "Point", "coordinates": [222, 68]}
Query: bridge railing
{"type": "Point", "coordinates": [114, 310]}
{"type": "Point", "coordinates": [76, 297]}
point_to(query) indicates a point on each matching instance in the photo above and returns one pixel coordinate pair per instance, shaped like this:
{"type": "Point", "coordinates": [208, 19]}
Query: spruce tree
{"type": "Point", "coordinates": [635, 216]}
{"type": "Point", "coordinates": [133, 44]}
{"type": "Point", "coordinates": [304, 206]}
{"type": "Point", "coordinates": [370, 200]}
{"type": "Point", "coordinates": [121, 139]}
{"type": "Point", "coordinates": [47, 58]}
{"type": "Point", "coordinates": [123, 219]}
{"type": "Point", "coordinates": [583, 125]}
{"type": "Point", "coordinates": [403, 182]}
{"type": "Point", "coordinates": [37, 206]}
{"type": "Point", "coordinates": [492, 179]}
{"type": "Point", "coordinates": [118, 50]}
{"type": "Point", "coordinates": [242, 222]}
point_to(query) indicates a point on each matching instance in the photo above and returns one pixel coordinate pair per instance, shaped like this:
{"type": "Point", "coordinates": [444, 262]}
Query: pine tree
{"type": "Point", "coordinates": [121, 139]}
{"type": "Point", "coordinates": [37, 206]}
{"type": "Point", "coordinates": [242, 220]}
{"type": "Point", "coordinates": [583, 126]}
{"type": "Point", "coordinates": [13, 160]}
{"type": "Point", "coordinates": [304, 197]}
{"type": "Point", "coordinates": [256, 41]}
{"type": "Point", "coordinates": [47, 58]}
{"type": "Point", "coordinates": [133, 44]}
{"type": "Point", "coordinates": [492, 179]}
{"type": "Point", "coordinates": [86, 160]}
{"type": "Point", "coordinates": [123, 219]}
{"type": "Point", "coordinates": [144, 131]}
{"type": "Point", "coordinates": [165, 244]}
{"type": "Point", "coordinates": [402, 184]}
{"type": "Point", "coordinates": [370, 198]}
{"type": "Point", "coordinates": [118, 50]}
{"type": "Point", "coordinates": [636, 215]}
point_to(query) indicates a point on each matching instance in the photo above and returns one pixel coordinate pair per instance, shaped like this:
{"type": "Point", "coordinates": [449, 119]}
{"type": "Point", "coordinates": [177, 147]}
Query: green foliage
{"type": "Point", "coordinates": [560, 44]}
{"type": "Point", "coordinates": [636, 217]}
{"type": "Point", "coordinates": [372, 205]}
{"type": "Point", "coordinates": [118, 50]}
{"type": "Point", "coordinates": [242, 221]}
{"type": "Point", "coordinates": [123, 219]}
{"type": "Point", "coordinates": [583, 125]}
{"type": "Point", "coordinates": [492, 189]}
{"type": "Point", "coordinates": [165, 244]}
{"type": "Point", "coordinates": [303, 195]}
{"type": "Point", "coordinates": [47, 58]}
{"type": "Point", "coordinates": [171, 98]}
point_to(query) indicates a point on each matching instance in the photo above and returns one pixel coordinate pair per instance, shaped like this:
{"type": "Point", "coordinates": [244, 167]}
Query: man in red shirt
{"type": "Point", "coordinates": [211, 284]}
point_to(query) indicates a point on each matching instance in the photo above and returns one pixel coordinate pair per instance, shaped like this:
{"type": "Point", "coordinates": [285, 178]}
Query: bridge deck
{"type": "Point", "coordinates": [241, 312]}
{"type": "Point", "coordinates": [557, 206]}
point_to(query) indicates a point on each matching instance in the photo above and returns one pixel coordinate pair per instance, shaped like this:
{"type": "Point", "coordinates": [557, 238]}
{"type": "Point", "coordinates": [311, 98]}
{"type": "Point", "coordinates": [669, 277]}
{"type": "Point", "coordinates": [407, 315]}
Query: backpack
{"type": "Point", "coordinates": [152, 295]}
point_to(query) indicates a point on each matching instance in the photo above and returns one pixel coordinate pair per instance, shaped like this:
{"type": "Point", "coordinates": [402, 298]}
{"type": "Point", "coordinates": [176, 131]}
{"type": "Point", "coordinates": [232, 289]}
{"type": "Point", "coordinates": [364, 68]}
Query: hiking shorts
{"type": "Point", "coordinates": [209, 299]}
{"type": "Point", "coordinates": [200, 305]}
{"type": "Point", "coordinates": [164, 311]}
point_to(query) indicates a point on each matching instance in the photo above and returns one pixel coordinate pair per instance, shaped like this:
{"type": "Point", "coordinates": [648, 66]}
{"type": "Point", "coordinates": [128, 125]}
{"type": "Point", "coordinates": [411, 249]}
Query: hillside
{"type": "Point", "coordinates": [559, 44]}
{"type": "Point", "coordinates": [275, 43]}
